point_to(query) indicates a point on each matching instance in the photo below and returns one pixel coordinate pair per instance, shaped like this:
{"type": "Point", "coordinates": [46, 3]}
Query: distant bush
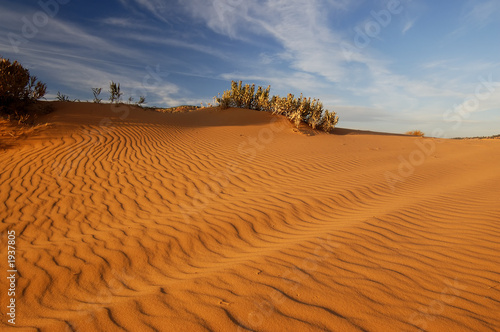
{"type": "Point", "coordinates": [96, 92]}
{"type": "Point", "coordinates": [184, 108]}
{"type": "Point", "coordinates": [18, 89]}
{"type": "Point", "coordinates": [62, 97]}
{"type": "Point", "coordinates": [415, 133]}
{"type": "Point", "coordinates": [114, 92]}
{"type": "Point", "coordinates": [142, 100]}
{"type": "Point", "coordinates": [297, 110]}
{"type": "Point", "coordinates": [175, 109]}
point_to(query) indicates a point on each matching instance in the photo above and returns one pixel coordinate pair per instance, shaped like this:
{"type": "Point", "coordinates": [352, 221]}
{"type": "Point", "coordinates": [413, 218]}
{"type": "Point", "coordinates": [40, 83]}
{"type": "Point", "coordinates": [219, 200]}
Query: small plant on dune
{"type": "Point", "coordinates": [142, 100]}
{"type": "Point", "coordinates": [96, 92]}
{"type": "Point", "coordinates": [115, 95]}
{"type": "Point", "coordinates": [18, 89]}
{"type": "Point", "coordinates": [415, 133]}
{"type": "Point", "coordinates": [297, 110]}
{"type": "Point", "coordinates": [184, 108]}
{"type": "Point", "coordinates": [61, 97]}
{"type": "Point", "coordinates": [114, 92]}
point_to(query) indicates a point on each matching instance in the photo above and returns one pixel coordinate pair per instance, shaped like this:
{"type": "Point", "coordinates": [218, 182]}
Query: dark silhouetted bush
{"type": "Point", "coordinates": [18, 89]}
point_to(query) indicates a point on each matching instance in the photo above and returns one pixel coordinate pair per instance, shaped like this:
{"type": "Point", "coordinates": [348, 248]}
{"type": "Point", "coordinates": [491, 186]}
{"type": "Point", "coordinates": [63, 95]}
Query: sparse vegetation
{"type": "Point", "coordinates": [114, 92]}
{"type": "Point", "coordinates": [62, 97]}
{"type": "Point", "coordinates": [183, 108]}
{"type": "Point", "coordinates": [297, 110]}
{"type": "Point", "coordinates": [115, 95]}
{"type": "Point", "coordinates": [11, 131]}
{"type": "Point", "coordinates": [142, 100]}
{"type": "Point", "coordinates": [96, 92]}
{"type": "Point", "coordinates": [415, 133]}
{"type": "Point", "coordinates": [175, 109]}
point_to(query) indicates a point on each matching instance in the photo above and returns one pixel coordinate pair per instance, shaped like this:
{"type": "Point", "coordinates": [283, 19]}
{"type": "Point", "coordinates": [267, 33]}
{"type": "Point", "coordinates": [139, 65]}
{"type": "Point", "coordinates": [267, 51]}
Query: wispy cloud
{"type": "Point", "coordinates": [299, 26]}
{"type": "Point", "coordinates": [158, 8]}
{"type": "Point", "coordinates": [129, 23]}
{"type": "Point", "coordinates": [80, 58]}
{"type": "Point", "coordinates": [408, 25]}
{"type": "Point", "coordinates": [480, 12]}
{"type": "Point", "coordinates": [312, 47]}
{"type": "Point", "coordinates": [476, 15]}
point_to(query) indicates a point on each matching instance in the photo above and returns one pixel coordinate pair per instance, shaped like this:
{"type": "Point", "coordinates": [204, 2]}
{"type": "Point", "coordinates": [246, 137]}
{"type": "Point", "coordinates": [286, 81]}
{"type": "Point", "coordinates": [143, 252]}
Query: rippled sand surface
{"type": "Point", "coordinates": [133, 220]}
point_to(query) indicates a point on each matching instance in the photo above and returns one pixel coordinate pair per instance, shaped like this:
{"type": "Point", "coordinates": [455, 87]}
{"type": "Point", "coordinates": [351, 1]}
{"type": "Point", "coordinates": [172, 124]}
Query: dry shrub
{"type": "Point", "coordinates": [11, 131]}
{"type": "Point", "coordinates": [415, 133]}
{"type": "Point", "coordinates": [18, 89]}
{"type": "Point", "coordinates": [297, 110]}
{"type": "Point", "coordinates": [176, 109]}
{"type": "Point", "coordinates": [245, 96]}
{"type": "Point", "coordinates": [184, 108]}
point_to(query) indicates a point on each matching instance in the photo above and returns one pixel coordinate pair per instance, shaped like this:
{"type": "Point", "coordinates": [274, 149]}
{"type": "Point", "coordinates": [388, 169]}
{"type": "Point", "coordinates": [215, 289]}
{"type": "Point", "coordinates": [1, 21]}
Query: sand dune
{"type": "Point", "coordinates": [132, 220]}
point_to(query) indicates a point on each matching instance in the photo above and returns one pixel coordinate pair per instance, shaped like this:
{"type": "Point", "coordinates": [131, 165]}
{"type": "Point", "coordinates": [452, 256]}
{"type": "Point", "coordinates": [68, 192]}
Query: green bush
{"type": "Point", "coordinates": [297, 110]}
{"type": "Point", "coordinates": [18, 88]}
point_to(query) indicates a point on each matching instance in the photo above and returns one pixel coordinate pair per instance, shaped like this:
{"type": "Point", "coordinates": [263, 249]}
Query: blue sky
{"type": "Point", "coordinates": [383, 65]}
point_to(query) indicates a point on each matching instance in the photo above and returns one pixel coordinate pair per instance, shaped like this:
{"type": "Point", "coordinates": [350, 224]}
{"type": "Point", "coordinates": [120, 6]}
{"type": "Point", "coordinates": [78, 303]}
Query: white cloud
{"type": "Point", "coordinates": [408, 25]}
{"type": "Point", "coordinates": [299, 26]}
{"type": "Point", "coordinates": [175, 42]}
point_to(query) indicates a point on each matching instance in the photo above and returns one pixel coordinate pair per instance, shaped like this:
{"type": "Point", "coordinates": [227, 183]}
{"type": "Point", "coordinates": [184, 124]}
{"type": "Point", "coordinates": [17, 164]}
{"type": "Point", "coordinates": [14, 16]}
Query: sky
{"type": "Point", "coordinates": [383, 65]}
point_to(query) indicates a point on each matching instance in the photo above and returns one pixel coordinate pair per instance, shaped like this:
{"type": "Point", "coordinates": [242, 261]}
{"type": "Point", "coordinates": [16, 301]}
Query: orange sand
{"type": "Point", "coordinates": [232, 221]}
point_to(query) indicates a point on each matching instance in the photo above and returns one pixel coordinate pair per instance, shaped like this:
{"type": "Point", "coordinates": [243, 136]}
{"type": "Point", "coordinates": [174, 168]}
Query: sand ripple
{"type": "Point", "coordinates": [228, 220]}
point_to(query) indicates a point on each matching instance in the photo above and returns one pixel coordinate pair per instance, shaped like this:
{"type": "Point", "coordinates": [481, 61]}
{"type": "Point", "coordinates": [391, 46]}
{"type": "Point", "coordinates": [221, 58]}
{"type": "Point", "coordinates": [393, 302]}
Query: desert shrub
{"type": "Point", "coordinates": [62, 97]}
{"type": "Point", "coordinates": [114, 92]}
{"type": "Point", "coordinates": [330, 120]}
{"type": "Point", "coordinates": [415, 133]}
{"type": "Point", "coordinates": [142, 100]}
{"type": "Point", "coordinates": [245, 96]}
{"type": "Point", "coordinates": [175, 109]}
{"type": "Point", "coordinates": [18, 89]}
{"type": "Point", "coordinates": [115, 95]}
{"type": "Point", "coordinates": [316, 117]}
{"type": "Point", "coordinates": [184, 108]}
{"type": "Point", "coordinates": [224, 101]}
{"type": "Point", "coordinates": [96, 92]}
{"type": "Point", "coordinates": [297, 110]}
{"type": "Point", "coordinates": [261, 100]}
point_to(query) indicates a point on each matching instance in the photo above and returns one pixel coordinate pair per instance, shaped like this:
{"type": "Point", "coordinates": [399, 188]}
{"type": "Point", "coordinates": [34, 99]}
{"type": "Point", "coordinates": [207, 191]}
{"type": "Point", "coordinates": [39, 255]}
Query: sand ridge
{"type": "Point", "coordinates": [229, 220]}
